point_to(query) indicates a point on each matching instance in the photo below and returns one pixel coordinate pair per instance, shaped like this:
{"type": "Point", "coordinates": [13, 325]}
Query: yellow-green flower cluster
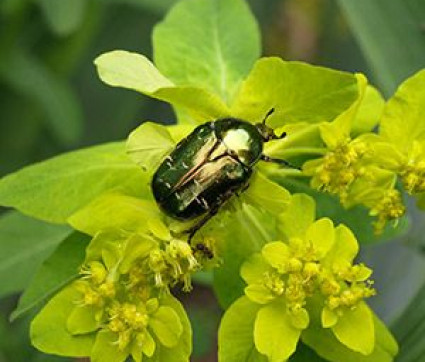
{"type": "Point", "coordinates": [124, 284]}
{"type": "Point", "coordinates": [338, 169]}
{"type": "Point", "coordinates": [116, 297]}
{"type": "Point", "coordinates": [173, 261]}
{"type": "Point", "coordinates": [310, 270]}
{"type": "Point", "coordinates": [352, 169]}
{"type": "Point", "coordinates": [349, 173]}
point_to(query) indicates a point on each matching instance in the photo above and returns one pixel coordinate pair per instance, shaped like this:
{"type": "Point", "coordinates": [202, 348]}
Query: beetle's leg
{"type": "Point", "coordinates": [194, 229]}
{"type": "Point", "coordinates": [278, 161]}
{"type": "Point", "coordinates": [214, 210]}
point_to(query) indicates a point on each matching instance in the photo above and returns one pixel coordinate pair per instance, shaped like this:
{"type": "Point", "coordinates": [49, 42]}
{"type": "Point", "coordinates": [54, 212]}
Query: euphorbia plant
{"type": "Point", "coordinates": [283, 276]}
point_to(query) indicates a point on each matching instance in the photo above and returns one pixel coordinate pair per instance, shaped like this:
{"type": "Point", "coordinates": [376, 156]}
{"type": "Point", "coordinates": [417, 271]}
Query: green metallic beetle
{"type": "Point", "coordinates": [209, 166]}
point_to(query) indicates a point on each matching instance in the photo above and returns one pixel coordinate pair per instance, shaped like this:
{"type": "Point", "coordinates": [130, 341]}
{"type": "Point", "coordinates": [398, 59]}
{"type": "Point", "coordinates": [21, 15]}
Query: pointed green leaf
{"type": "Point", "coordinates": [302, 138]}
{"type": "Point", "coordinates": [300, 214]}
{"type": "Point", "coordinates": [246, 231]}
{"type": "Point", "coordinates": [54, 189]}
{"type": "Point", "coordinates": [345, 248]}
{"type": "Point", "coordinates": [159, 229]}
{"type": "Point", "coordinates": [274, 334]}
{"type": "Point", "coordinates": [266, 194]}
{"type": "Point", "coordinates": [383, 337]}
{"type": "Point", "coordinates": [166, 325]}
{"type": "Point", "coordinates": [104, 240]}
{"type": "Point", "coordinates": [134, 71]}
{"type": "Point", "coordinates": [259, 293]}
{"type": "Point", "coordinates": [277, 254]}
{"type": "Point", "coordinates": [369, 112]}
{"type": "Point", "coordinates": [114, 210]}
{"type": "Point", "coordinates": [253, 268]}
{"type": "Point", "coordinates": [210, 44]}
{"type": "Point", "coordinates": [24, 244]}
{"type": "Point", "coordinates": [328, 317]}
{"type": "Point", "coordinates": [300, 318]}
{"type": "Point", "coordinates": [148, 345]}
{"type": "Point", "coordinates": [120, 68]}
{"type": "Point", "coordinates": [106, 350]}
{"type": "Point", "coordinates": [402, 121]}
{"type": "Point", "coordinates": [326, 345]}
{"type": "Point", "coordinates": [182, 350]}
{"type": "Point", "coordinates": [55, 272]}
{"type": "Point", "coordinates": [148, 144]}
{"type": "Point", "coordinates": [236, 333]}
{"type": "Point", "coordinates": [48, 329]}
{"type": "Point", "coordinates": [339, 130]}
{"type": "Point", "coordinates": [321, 234]}
{"type": "Point", "coordinates": [82, 320]}
{"type": "Point", "coordinates": [355, 329]}
{"type": "Point", "coordinates": [298, 92]}
{"type": "Point", "coordinates": [136, 246]}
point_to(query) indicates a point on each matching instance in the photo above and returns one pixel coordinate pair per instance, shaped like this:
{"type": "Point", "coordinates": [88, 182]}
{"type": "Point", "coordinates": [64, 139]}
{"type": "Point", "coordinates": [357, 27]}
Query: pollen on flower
{"type": "Point", "coordinates": [95, 271]}
{"type": "Point", "coordinates": [92, 297]}
{"type": "Point", "coordinates": [330, 287]}
{"type": "Point", "coordinates": [274, 283]}
{"type": "Point", "coordinates": [413, 177]}
{"type": "Point", "coordinates": [389, 207]}
{"type": "Point", "coordinates": [127, 320]}
{"type": "Point", "coordinates": [302, 271]}
{"type": "Point", "coordinates": [107, 289]}
{"type": "Point", "coordinates": [339, 168]}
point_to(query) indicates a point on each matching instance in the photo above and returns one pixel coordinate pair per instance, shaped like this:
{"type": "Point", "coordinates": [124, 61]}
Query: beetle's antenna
{"type": "Point", "coordinates": [269, 113]}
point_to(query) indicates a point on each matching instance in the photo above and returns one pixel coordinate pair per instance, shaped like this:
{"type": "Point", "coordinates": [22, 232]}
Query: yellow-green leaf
{"type": "Point", "coordinates": [321, 235]}
{"type": "Point", "coordinates": [106, 350]}
{"type": "Point", "coordinates": [277, 255]}
{"type": "Point", "coordinates": [299, 215]}
{"type": "Point", "coordinates": [210, 44]}
{"type": "Point", "coordinates": [266, 194]}
{"type": "Point", "coordinates": [134, 71]}
{"type": "Point", "coordinates": [274, 334]}
{"type": "Point", "coordinates": [48, 330]}
{"type": "Point", "coordinates": [403, 118]}
{"type": "Point", "coordinates": [298, 92]}
{"type": "Point", "coordinates": [166, 325]}
{"type": "Point", "coordinates": [54, 189]}
{"type": "Point", "coordinates": [236, 333]}
{"type": "Point", "coordinates": [355, 329]}
{"type": "Point", "coordinates": [148, 144]}
{"type": "Point", "coordinates": [82, 320]}
{"type": "Point", "coordinates": [114, 210]}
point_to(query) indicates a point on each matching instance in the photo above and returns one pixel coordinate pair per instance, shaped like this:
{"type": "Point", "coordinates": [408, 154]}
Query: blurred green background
{"type": "Point", "coordinates": [51, 101]}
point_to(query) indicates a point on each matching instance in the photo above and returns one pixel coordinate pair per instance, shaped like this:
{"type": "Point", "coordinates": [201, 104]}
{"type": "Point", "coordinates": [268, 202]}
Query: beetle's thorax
{"type": "Point", "coordinates": [241, 139]}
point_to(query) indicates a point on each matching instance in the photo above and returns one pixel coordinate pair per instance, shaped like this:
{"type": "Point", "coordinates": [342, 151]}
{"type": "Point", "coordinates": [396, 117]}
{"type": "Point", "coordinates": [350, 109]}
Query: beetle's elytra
{"type": "Point", "coordinates": [207, 167]}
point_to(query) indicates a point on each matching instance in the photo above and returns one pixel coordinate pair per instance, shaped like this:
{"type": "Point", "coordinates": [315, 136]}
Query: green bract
{"type": "Point", "coordinates": [351, 170]}
{"type": "Point", "coordinates": [401, 145]}
{"type": "Point", "coordinates": [281, 275]}
{"type": "Point", "coordinates": [121, 305]}
{"type": "Point", "coordinates": [307, 279]}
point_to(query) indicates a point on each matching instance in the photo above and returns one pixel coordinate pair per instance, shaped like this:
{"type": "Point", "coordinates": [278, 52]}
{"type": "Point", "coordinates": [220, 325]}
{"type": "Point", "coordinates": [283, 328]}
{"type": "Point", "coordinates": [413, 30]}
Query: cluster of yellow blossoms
{"type": "Point", "coordinates": [125, 292]}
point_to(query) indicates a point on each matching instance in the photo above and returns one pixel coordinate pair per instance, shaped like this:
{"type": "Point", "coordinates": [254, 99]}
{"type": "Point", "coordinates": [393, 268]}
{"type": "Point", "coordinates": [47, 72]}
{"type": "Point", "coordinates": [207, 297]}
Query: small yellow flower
{"type": "Point", "coordinates": [339, 168]}
{"type": "Point", "coordinates": [313, 270]}
{"type": "Point", "coordinates": [389, 207]}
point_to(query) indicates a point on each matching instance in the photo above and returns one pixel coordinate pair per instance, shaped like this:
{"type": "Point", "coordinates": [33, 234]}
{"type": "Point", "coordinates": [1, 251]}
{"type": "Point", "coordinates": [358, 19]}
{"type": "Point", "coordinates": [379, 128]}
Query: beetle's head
{"type": "Point", "coordinates": [267, 132]}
